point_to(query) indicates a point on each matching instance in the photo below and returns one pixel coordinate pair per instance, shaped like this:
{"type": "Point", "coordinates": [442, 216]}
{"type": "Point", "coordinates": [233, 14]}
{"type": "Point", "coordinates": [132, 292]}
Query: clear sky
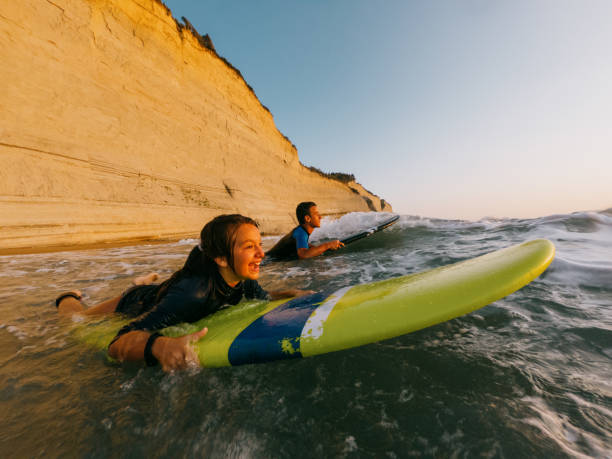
{"type": "Point", "coordinates": [453, 109]}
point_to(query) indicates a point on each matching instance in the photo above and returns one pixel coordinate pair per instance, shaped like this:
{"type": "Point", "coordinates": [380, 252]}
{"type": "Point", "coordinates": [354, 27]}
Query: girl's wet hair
{"type": "Point", "coordinates": [218, 237]}
{"type": "Point", "coordinates": [217, 240]}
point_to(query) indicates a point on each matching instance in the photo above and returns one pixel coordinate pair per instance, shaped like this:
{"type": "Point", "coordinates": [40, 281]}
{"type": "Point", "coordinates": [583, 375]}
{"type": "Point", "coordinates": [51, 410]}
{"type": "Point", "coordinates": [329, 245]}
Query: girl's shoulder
{"type": "Point", "coordinates": [194, 286]}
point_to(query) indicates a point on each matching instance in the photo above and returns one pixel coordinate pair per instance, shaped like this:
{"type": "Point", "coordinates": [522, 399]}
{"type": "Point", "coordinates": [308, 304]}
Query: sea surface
{"type": "Point", "coordinates": [527, 376]}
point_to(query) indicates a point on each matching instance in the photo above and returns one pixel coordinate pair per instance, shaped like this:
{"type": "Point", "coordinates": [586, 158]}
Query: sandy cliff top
{"type": "Point", "coordinates": [118, 124]}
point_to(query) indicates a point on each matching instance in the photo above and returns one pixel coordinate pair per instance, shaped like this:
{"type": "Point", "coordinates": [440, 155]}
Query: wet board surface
{"type": "Point", "coordinates": [258, 332]}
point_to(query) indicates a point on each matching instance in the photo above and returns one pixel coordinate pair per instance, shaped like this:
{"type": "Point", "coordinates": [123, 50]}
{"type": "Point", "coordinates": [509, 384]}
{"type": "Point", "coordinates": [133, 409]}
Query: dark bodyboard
{"type": "Point", "coordinates": [370, 231]}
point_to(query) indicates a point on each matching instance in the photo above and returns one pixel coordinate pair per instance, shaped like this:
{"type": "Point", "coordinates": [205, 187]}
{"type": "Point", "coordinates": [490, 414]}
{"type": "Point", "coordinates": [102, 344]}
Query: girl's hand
{"type": "Point", "coordinates": [177, 353]}
{"type": "Point", "coordinates": [279, 294]}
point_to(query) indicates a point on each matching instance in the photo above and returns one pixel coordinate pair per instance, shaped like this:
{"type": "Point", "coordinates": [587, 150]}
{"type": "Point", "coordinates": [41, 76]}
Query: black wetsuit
{"type": "Point", "coordinates": [286, 247]}
{"type": "Point", "coordinates": [188, 300]}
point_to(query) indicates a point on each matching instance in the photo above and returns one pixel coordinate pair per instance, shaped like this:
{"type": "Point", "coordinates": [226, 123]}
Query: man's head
{"type": "Point", "coordinates": [308, 214]}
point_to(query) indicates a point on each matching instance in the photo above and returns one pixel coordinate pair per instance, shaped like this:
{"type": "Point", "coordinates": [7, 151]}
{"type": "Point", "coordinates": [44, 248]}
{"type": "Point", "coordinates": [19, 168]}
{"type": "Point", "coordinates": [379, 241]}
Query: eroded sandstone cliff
{"type": "Point", "coordinates": [119, 124]}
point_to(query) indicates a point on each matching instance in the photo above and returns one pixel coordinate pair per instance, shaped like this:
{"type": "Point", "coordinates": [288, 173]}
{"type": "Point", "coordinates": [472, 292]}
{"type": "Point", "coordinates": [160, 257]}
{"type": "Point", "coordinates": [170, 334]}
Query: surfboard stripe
{"type": "Point", "coordinates": [276, 334]}
{"type": "Point", "coordinates": [314, 324]}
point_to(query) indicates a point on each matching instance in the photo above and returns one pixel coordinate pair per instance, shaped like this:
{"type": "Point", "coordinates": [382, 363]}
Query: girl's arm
{"type": "Point", "coordinates": [172, 353]}
{"type": "Point", "coordinates": [278, 294]}
{"type": "Point", "coordinates": [252, 290]}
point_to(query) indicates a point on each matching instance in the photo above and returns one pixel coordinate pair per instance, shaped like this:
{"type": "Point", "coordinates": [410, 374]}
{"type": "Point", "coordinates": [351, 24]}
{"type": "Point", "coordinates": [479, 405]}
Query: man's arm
{"type": "Point", "coordinates": [316, 250]}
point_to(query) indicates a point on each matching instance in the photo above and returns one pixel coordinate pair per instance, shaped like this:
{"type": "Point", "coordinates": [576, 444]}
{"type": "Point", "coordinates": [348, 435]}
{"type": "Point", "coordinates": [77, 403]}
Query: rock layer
{"type": "Point", "coordinates": [118, 125]}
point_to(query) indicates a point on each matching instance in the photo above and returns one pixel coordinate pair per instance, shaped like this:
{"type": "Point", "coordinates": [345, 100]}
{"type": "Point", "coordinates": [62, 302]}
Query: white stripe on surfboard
{"type": "Point", "coordinates": [314, 325]}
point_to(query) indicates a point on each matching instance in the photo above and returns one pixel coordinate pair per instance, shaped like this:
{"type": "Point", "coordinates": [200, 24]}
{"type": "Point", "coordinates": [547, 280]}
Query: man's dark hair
{"type": "Point", "coordinates": [303, 209]}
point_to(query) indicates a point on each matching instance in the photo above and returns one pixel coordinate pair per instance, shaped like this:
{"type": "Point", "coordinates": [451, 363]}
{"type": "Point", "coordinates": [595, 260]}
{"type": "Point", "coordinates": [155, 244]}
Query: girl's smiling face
{"type": "Point", "coordinates": [247, 255]}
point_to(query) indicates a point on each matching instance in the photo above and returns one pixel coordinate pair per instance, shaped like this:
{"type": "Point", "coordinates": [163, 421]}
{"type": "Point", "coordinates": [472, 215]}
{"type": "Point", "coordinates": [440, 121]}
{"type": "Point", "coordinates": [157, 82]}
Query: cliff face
{"type": "Point", "coordinates": [118, 125]}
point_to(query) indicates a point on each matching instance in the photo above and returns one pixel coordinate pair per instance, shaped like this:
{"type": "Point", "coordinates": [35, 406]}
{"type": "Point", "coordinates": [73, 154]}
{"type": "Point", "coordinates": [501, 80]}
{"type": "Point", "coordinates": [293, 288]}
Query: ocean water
{"type": "Point", "coordinates": [527, 376]}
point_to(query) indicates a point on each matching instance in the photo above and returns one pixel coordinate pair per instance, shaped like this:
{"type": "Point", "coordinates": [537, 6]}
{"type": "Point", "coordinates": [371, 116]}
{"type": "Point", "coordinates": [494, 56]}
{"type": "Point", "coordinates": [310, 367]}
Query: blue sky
{"type": "Point", "coordinates": [453, 109]}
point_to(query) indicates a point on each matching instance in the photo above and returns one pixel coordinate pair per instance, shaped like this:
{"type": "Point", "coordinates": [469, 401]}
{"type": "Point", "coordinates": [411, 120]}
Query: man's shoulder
{"type": "Point", "coordinates": [299, 231]}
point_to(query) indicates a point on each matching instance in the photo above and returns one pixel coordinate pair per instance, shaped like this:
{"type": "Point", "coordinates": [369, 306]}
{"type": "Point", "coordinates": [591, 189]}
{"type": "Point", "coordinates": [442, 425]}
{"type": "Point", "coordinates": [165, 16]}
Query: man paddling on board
{"type": "Point", "coordinates": [295, 244]}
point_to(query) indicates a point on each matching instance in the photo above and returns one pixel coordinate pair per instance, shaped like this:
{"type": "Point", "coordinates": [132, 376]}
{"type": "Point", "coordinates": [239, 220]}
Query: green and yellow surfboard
{"type": "Point", "coordinates": [257, 332]}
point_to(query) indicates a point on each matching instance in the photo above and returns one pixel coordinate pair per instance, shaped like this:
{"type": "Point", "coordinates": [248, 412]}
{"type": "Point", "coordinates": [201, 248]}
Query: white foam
{"type": "Point", "coordinates": [349, 224]}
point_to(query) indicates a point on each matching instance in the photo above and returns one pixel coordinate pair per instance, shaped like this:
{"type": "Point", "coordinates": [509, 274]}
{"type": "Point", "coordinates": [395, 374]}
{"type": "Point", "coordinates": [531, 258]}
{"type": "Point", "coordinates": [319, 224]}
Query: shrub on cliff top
{"type": "Point", "coordinates": [205, 40]}
{"type": "Point", "coordinates": [344, 178]}
{"type": "Point", "coordinates": [338, 176]}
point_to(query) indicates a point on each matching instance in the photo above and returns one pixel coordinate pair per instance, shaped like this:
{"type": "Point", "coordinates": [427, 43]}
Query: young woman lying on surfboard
{"type": "Point", "coordinates": [222, 269]}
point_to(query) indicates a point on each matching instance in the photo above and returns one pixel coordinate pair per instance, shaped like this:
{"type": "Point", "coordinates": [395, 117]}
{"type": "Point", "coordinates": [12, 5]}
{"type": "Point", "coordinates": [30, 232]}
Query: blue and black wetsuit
{"type": "Point", "coordinates": [286, 248]}
{"type": "Point", "coordinates": [188, 300]}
